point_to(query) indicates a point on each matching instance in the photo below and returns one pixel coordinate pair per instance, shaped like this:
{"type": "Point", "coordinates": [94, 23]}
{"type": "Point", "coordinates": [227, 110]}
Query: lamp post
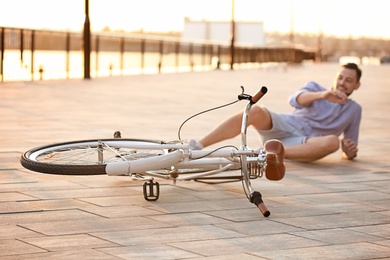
{"type": "Point", "coordinates": [292, 24]}
{"type": "Point", "coordinates": [320, 34]}
{"type": "Point", "coordinates": [232, 35]}
{"type": "Point", "coordinates": [87, 43]}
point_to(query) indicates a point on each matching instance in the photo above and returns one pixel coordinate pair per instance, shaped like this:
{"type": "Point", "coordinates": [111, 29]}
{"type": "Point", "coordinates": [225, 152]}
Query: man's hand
{"type": "Point", "coordinates": [349, 149]}
{"type": "Point", "coordinates": [335, 96]}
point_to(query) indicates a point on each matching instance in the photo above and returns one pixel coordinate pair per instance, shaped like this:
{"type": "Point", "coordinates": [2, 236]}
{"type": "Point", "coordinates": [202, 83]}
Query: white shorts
{"type": "Point", "coordinates": [283, 131]}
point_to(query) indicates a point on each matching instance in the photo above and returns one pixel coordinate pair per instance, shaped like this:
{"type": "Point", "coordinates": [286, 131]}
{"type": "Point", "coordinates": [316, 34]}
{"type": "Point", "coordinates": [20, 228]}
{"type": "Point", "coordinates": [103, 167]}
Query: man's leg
{"type": "Point", "coordinates": [315, 148]}
{"type": "Point", "coordinates": [258, 117]}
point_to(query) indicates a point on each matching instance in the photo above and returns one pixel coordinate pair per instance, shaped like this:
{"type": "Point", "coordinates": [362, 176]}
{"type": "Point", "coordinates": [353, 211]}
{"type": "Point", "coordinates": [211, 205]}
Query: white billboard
{"type": "Point", "coordinates": [246, 33]}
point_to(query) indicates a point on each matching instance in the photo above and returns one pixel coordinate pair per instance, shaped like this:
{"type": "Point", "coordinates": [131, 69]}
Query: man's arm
{"type": "Point", "coordinates": [306, 98]}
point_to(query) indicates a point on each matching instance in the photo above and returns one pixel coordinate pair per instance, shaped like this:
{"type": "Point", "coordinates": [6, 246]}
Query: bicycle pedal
{"type": "Point", "coordinates": [151, 190]}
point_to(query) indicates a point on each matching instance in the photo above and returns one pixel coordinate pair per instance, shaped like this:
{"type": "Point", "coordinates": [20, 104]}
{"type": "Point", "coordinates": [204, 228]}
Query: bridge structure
{"type": "Point", "coordinates": [146, 51]}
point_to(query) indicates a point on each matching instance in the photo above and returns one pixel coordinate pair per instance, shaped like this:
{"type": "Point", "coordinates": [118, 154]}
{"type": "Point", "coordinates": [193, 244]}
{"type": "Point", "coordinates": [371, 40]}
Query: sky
{"type": "Point", "coordinates": [342, 18]}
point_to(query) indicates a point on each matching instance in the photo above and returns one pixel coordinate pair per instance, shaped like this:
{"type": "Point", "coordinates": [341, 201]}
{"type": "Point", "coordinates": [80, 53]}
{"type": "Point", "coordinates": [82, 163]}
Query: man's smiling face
{"type": "Point", "coordinates": [346, 81]}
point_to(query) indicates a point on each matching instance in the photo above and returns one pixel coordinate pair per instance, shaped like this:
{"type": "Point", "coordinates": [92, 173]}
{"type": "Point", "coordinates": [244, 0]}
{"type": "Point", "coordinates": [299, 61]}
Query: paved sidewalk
{"type": "Point", "coordinates": [331, 209]}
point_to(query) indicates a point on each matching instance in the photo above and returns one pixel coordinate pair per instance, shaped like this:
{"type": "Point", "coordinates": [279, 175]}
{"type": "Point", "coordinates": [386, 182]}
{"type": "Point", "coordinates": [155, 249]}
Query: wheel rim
{"type": "Point", "coordinates": [93, 152]}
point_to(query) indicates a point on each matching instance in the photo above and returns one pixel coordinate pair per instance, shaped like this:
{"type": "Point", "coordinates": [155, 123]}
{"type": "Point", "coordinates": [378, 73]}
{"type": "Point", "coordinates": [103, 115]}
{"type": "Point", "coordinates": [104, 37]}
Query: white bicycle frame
{"type": "Point", "coordinates": [148, 159]}
{"type": "Point", "coordinates": [183, 158]}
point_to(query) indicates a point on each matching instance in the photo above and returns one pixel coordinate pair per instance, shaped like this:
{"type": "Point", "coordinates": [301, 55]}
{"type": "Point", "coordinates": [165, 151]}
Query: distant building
{"type": "Point", "coordinates": [249, 34]}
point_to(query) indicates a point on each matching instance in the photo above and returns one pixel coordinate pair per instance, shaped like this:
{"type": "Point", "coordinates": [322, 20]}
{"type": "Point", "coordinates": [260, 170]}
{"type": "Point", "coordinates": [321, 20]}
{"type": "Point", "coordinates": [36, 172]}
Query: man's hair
{"type": "Point", "coordinates": [353, 66]}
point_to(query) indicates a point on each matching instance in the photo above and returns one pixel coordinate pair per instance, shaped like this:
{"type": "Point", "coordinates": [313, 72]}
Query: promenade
{"type": "Point", "coordinates": [330, 209]}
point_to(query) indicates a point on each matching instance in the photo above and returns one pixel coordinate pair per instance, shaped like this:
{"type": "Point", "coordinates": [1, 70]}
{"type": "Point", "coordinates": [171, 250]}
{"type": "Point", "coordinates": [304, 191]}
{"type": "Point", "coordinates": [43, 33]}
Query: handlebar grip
{"type": "Point", "coordinates": [263, 209]}
{"type": "Point", "coordinates": [259, 95]}
{"type": "Point", "coordinates": [258, 201]}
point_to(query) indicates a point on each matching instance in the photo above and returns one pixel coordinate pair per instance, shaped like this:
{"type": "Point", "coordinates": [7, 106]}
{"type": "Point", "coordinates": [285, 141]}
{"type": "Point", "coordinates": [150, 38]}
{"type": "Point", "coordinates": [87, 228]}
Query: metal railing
{"type": "Point", "coordinates": [27, 54]}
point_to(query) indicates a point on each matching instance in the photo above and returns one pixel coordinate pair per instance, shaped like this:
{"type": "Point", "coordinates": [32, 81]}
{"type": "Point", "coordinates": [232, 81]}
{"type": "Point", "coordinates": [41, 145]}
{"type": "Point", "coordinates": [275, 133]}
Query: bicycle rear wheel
{"type": "Point", "coordinates": [87, 157]}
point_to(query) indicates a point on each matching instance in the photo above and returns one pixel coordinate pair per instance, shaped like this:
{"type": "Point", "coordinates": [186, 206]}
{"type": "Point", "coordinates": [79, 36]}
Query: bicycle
{"type": "Point", "coordinates": [145, 160]}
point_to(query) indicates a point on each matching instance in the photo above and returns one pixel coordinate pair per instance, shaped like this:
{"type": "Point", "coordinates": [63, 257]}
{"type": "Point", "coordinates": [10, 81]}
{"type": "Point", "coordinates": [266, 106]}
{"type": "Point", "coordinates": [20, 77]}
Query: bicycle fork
{"type": "Point", "coordinates": [254, 196]}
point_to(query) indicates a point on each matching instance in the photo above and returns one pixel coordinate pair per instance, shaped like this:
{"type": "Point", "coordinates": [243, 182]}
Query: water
{"type": "Point", "coordinates": [54, 64]}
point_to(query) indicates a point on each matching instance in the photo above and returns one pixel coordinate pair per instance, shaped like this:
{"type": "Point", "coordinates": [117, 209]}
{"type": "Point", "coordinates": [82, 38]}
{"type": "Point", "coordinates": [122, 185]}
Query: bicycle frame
{"type": "Point", "coordinates": [148, 159]}
{"type": "Point", "coordinates": [182, 157]}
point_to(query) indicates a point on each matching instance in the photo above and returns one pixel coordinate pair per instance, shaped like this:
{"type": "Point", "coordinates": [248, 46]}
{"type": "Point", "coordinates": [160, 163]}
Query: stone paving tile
{"type": "Point", "coordinates": [7, 159]}
{"type": "Point", "coordinates": [342, 220]}
{"type": "Point", "coordinates": [17, 247]}
{"type": "Point", "coordinates": [15, 207]}
{"type": "Point", "coordinates": [385, 213]}
{"type": "Point", "coordinates": [223, 195]}
{"type": "Point", "coordinates": [277, 210]}
{"type": "Point", "coordinates": [10, 176]}
{"type": "Point", "coordinates": [38, 185]}
{"type": "Point", "coordinates": [350, 196]}
{"type": "Point", "coordinates": [349, 186]}
{"type": "Point", "coordinates": [342, 252]}
{"type": "Point", "coordinates": [192, 219]}
{"type": "Point", "coordinates": [247, 256]}
{"type": "Point", "coordinates": [262, 227]}
{"type": "Point", "coordinates": [14, 196]}
{"type": "Point", "coordinates": [336, 236]}
{"type": "Point", "coordinates": [293, 206]}
{"type": "Point", "coordinates": [375, 230]}
{"type": "Point", "coordinates": [150, 251]}
{"type": "Point", "coordinates": [380, 205]}
{"type": "Point", "coordinates": [87, 254]}
{"type": "Point", "coordinates": [99, 181]}
{"type": "Point", "coordinates": [380, 184]}
{"type": "Point", "coordinates": [245, 244]}
{"type": "Point", "coordinates": [204, 190]}
{"type": "Point", "coordinates": [94, 225]}
{"type": "Point", "coordinates": [67, 242]}
{"type": "Point", "coordinates": [385, 243]}
{"type": "Point", "coordinates": [138, 200]}
{"type": "Point", "coordinates": [80, 193]}
{"type": "Point", "coordinates": [205, 205]}
{"type": "Point", "coordinates": [288, 189]}
{"type": "Point", "coordinates": [15, 231]}
{"type": "Point", "coordinates": [56, 204]}
{"type": "Point", "coordinates": [167, 235]}
{"type": "Point", "coordinates": [122, 211]}
{"type": "Point", "coordinates": [46, 216]}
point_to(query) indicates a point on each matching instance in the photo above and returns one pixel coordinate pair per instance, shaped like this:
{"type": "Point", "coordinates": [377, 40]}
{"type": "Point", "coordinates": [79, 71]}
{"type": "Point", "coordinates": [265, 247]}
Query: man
{"type": "Point", "coordinates": [310, 132]}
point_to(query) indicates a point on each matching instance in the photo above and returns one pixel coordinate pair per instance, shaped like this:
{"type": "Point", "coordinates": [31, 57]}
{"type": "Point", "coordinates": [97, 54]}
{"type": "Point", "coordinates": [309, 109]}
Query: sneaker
{"type": "Point", "coordinates": [195, 145]}
{"type": "Point", "coordinates": [117, 134]}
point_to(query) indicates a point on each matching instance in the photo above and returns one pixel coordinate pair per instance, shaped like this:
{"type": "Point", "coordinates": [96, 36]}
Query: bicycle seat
{"type": "Point", "coordinates": [275, 155]}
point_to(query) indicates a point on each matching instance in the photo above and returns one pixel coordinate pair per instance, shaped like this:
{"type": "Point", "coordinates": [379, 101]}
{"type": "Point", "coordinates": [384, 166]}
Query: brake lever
{"type": "Point", "coordinates": [244, 96]}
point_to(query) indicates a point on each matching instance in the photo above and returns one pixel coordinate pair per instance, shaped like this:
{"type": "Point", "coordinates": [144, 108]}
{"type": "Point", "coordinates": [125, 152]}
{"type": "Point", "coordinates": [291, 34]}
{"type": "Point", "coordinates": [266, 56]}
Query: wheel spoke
{"type": "Point", "coordinates": [88, 156]}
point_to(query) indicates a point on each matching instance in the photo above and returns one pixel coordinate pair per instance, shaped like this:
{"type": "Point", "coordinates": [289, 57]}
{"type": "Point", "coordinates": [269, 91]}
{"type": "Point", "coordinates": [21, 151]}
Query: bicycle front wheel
{"type": "Point", "coordinates": [88, 157]}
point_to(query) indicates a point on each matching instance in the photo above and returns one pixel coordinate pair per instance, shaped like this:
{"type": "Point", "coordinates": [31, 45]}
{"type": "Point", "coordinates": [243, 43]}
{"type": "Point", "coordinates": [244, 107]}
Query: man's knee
{"type": "Point", "coordinates": [256, 111]}
{"type": "Point", "coordinates": [260, 118]}
{"type": "Point", "coordinates": [331, 143]}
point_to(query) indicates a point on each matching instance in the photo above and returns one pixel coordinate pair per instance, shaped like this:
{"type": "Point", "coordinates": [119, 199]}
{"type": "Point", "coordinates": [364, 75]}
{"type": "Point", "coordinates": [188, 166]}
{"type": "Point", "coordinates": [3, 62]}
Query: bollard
{"type": "Point", "coordinates": [41, 70]}
{"type": "Point", "coordinates": [110, 68]}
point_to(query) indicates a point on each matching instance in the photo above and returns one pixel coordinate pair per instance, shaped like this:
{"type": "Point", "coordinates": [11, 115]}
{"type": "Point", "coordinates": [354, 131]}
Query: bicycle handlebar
{"type": "Point", "coordinates": [258, 201]}
{"type": "Point", "coordinates": [259, 95]}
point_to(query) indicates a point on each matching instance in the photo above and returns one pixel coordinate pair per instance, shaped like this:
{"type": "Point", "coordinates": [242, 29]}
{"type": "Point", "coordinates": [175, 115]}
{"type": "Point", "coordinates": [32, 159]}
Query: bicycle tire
{"type": "Point", "coordinates": [40, 159]}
